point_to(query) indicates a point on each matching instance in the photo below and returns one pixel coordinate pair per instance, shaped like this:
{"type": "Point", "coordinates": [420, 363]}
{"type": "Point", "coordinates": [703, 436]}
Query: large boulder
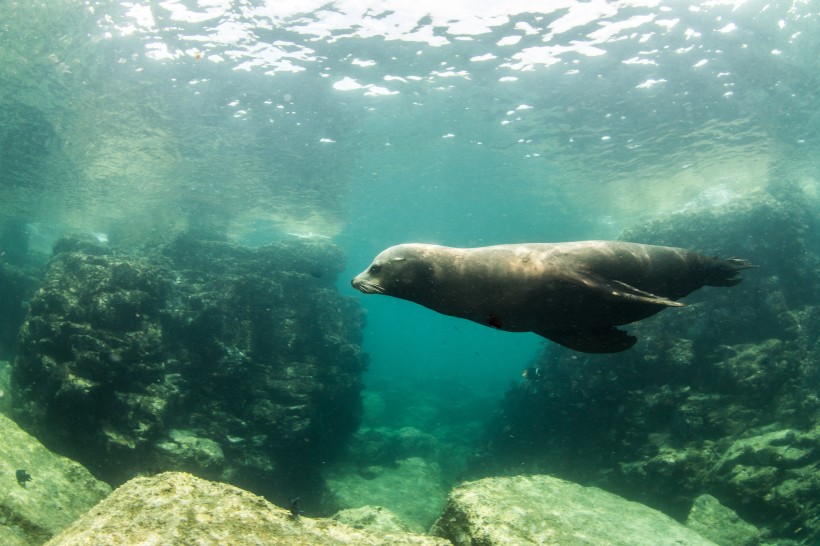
{"type": "Point", "coordinates": [237, 364]}
{"type": "Point", "coordinates": [42, 492]}
{"type": "Point", "coordinates": [177, 509]}
{"type": "Point", "coordinates": [543, 510]}
{"type": "Point", "coordinates": [721, 525]}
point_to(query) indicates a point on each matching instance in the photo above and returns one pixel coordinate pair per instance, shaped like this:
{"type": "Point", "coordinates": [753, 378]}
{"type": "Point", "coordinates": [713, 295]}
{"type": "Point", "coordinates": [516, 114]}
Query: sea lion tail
{"type": "Point", "coordinates": [725, 272]}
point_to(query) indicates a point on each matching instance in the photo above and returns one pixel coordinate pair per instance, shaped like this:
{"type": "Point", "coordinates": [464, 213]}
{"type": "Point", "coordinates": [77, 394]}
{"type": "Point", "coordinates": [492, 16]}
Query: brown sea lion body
{"type": "Point", "coordinates": [572, 293]}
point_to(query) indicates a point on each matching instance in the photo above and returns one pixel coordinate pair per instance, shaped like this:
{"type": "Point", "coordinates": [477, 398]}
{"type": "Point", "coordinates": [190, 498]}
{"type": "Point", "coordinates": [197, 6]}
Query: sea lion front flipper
{"type": "Point", "coordinates": [596, 341]}
{"type": "Point", "coordinates": [614, 289]}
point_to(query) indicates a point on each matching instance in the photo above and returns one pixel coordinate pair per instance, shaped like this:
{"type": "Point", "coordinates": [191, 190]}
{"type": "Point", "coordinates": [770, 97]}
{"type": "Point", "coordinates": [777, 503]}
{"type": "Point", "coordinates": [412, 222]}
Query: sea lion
{"type": "Point", "coordinates": [572, 293]}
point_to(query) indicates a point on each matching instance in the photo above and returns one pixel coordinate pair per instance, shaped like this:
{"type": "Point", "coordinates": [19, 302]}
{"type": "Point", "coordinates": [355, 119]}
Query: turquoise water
{"type": "Point", "coordinates": [369, 124]}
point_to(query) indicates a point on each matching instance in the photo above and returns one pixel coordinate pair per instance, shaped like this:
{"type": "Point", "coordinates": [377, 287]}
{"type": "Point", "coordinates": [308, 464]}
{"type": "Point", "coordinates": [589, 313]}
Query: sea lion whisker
{"type": "Point", "coordinates": [370, 288]}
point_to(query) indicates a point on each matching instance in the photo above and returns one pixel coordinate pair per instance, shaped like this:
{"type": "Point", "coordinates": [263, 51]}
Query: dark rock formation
{"type": "Point", "coordinates": [703, 402]}
{"type": "Point", "coordinates": [200, 355]}
{"type": "Point", "coordinates": [20, 276]}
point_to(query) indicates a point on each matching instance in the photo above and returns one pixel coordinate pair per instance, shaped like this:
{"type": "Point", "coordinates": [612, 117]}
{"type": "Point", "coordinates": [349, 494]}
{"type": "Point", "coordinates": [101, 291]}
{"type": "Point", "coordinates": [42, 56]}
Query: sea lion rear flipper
{"type": "Point", "coordinates": [600, 341]}
{"type": "Point", "coordinates": [614, 289]}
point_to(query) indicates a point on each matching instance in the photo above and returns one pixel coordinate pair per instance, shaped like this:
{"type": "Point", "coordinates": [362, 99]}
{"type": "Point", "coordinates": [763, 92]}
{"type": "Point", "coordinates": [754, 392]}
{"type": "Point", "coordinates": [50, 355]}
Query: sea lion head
{"type": "Point", "coordinates": [398, 271]}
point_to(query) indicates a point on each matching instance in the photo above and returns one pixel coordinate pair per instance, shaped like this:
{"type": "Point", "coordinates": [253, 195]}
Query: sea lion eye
{"type": "Point", "coordinates": [374, 268]}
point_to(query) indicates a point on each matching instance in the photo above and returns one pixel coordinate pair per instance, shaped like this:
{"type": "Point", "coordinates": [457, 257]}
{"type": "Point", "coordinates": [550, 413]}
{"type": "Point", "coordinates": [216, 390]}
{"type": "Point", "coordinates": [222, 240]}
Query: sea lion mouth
{"type": "Point", "coordinates": [367, 287]}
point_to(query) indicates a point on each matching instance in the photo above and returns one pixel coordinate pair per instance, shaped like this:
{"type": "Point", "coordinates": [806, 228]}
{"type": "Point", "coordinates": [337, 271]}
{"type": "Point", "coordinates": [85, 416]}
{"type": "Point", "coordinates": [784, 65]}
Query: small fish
{"type": "Point", "coordinates": [295, 510]}
{"type": "Point", "coordinates": [22, 477]}
{"type": "Point", "coordinates": [532, 374]}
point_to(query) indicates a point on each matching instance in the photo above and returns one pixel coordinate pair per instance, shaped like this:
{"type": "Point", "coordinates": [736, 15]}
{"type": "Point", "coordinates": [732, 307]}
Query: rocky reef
{"type": "Point", "coordinates": [42, 492]}
{"type": "Point", "coordinates": [20, 275]}
{"type": "Point", "coordinates": [199, 355]}
{"type": "Point", "coordinates": [50, 499]}
{"type": "Point", "coordinates": [530, 510]}
{"type": "Point", "coordinates": [179, 509]}
{"type": "Point", "coordinates": [718, 397]}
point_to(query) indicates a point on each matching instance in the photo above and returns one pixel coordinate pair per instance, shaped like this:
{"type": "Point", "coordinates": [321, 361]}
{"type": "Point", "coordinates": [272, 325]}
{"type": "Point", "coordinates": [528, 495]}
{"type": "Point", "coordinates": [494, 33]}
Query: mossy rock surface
{"type": "Point", "coordinates": [177, 509]}
{"type": "Point", "coordinates": [235, 364]}
{"type": "Point", "coordinates": [58, 491]}
{"type": "Point", "coordinates": [543, 510]}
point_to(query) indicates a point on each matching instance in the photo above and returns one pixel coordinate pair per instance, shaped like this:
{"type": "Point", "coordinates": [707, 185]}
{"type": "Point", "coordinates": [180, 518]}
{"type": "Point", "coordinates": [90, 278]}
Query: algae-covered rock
{"type": "Point", "coordinates": [198, 355]}
{"type": "Point", "coordinates": [5, 387]}
{"type": "Point", "coordinates": [58, 491]}
{"type": "Point", "coordinates": [412, 488]}
{"type": "Point", "coordinates": [202, 456]}
{"type": "Point", "coordinates": [376, 519]}
{"type": "Point", "coordinates": [383, 446]}
{"type": "Point", "coordinates": [545, 510]}
{"type": "Point", "coordinates": [758, 370]}
{"type": "Point", "coordinates": [777, 448]}
{"type": "Point", "coordinates": [775, 472]}
{"type": "Point", "coordinates": [18, 281]}
{"type": "Point", "coordinates": [177, 509]}
{"type": "Point", "coordinates": [720, 524]}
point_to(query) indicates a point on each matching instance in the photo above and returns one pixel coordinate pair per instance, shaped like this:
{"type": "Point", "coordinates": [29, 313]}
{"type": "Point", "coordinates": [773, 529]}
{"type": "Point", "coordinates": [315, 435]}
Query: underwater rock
{"type": "Point", "coordinates": [530, 510]}
{"type": "Point", "coordinates": [384, 446]}
{"type": "Point", "coordinates": [376, 519]}
{"type": "Point", "coordinates": [411, 488]}
{"type": "Point", "coordinates": [777, 473]}
{"type": "Point", "coordinates": [682, 412]}
{"type": "Point", "coordinates": [719, 524]}
{"type": "Point", "coordinates": [179, 509]}
{"type": "Point", "coordinates": [42, 492]}
{"type": "Point", "coordinates": [202, 456]}
{"type": "Point", "coordinates": [779, 448]}
{"type": "Point", "coordinates": [91, 374]}
{"type": "Point", "coordinates": [17, 285]}
{"type": "Point", "coordinates": [251, 350]}
{"type": "Point", "coordinates": [5, 387]}
{"type": "Point", "coordinates": [757, 370]}
{"type": "Point", "coordinates": [671, 472]}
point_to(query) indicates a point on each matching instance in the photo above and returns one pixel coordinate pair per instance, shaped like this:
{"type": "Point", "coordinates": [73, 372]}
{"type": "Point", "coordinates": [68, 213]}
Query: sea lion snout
{"type": "Point", "coordinates": [364, 283]}
{"type": "Point", "coordinates": [358, 281]}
